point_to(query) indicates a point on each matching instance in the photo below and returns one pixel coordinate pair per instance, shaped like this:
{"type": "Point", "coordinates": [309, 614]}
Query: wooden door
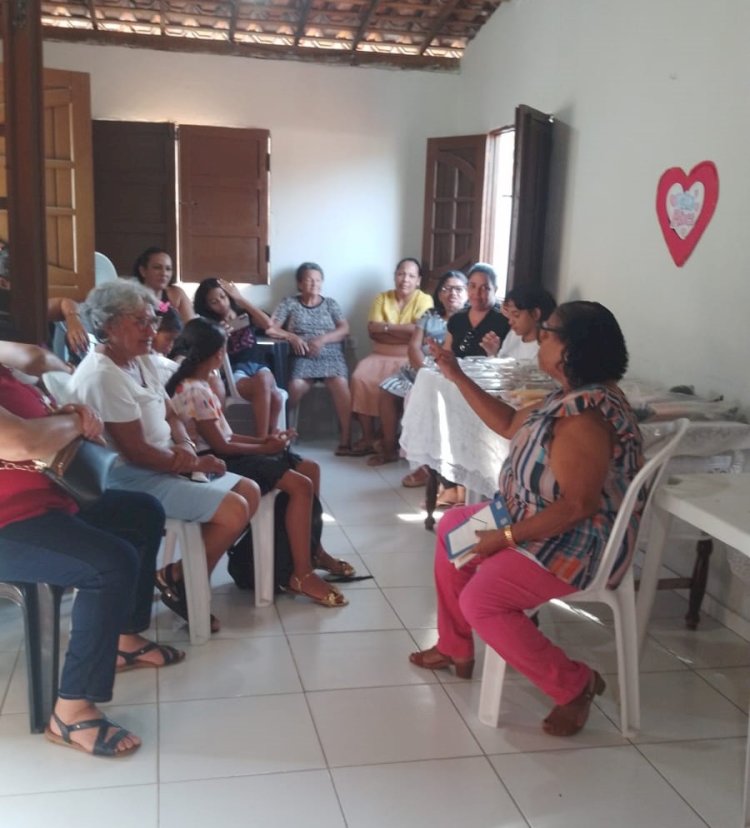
{"type": "Point", "coordinates": [454, 204]}
{"type": "Point", "coordinates": [134, 189]}
{"type": "Point", "coordinates": [531, 167]}
{"type": "Point", "coordinates": [223, 197]}
{"type": "Point", "coordinates": [68, 181]}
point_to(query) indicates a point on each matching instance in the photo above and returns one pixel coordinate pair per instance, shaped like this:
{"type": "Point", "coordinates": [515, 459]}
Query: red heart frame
{"type": "Point", "coordinates": [705, 173]}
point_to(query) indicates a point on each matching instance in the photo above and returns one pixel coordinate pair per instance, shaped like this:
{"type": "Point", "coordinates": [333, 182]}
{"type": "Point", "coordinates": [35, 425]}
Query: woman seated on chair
{"type": "Point", "coordinates": [153, 269]}
{"type": "Point", "coordinates": [391, 323]}
{"type": "Point", "coordinates": [222, 302]}
{"type": "Point", "coordinates": [449, 297]}
{"type": "Point", "coordinates": [107, 551]}
{"type": "Point", "coordinates": [481, 328]}
{"type": "Point", "coordinates": [525, 307]}
{"type": "Point", "coordinates": [315, 329]}
{"type": "Point", "coordinates": [118, 380]}
{"type": "Point", "coordinates": [571, 459]}
{"type": "Point", "coordinates": [268, 460]}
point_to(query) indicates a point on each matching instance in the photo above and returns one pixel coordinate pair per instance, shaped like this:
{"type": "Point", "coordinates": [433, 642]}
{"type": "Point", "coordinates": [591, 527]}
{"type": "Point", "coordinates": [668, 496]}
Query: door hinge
{"type": "Point", "coordinates": [268, 253]}
{"type": "Point", "coordinates": [268, 162]}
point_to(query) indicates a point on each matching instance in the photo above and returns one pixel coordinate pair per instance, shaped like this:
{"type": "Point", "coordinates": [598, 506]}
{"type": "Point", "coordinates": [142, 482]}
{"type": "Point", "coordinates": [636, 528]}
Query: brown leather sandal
{"type": "Point", "coordinates": [568, 719]}
{"type": "Point", "coordinates": [433, 659]}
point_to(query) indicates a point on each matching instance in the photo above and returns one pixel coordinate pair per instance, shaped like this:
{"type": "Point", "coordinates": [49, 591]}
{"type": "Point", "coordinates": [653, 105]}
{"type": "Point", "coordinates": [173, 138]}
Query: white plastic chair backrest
{"type": "Point", "coordinates": [648, 477]}
{"type": "Point", "coordinates": [232, 392]}
{"type": "Point", "coordinates": [58, 384]}
{"type": "Point", "coordinates": [104, 270]}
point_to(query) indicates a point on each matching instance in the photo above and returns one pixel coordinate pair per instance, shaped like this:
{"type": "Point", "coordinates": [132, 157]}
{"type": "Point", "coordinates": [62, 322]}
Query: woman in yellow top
{"type": "Point", "coordinates": [390, 325]}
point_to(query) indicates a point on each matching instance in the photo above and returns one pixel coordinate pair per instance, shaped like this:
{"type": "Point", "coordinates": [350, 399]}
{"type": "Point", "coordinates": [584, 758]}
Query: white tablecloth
{"type": "Point", "coordinates": [440, 430]}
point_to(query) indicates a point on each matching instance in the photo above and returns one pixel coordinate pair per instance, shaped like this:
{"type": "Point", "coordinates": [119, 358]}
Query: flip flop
{"type": "Point", "coordinates": [361, 449]}
{"type": "Point", "coordinates": [416, 479]}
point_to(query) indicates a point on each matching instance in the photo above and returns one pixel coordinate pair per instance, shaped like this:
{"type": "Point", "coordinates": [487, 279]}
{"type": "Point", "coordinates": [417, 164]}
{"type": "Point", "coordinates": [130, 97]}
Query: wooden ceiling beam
{"type": "Point", "coordinates": [438, 25]}
{"type": "Point", "coordinates": [92, 14]}
{"type": "Point", "coordinates": [253, 50]}
{"type": "Point", "coordinates": [364, 24]}
{"type": "Point", "coordinates": [303, 13]}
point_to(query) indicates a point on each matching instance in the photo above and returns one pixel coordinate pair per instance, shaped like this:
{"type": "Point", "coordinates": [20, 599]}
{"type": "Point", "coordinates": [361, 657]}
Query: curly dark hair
{"type": "Point", "coordinates": [200, 339]}
{"type": "Point", "coordinates": [531, 297]}
{"type": "Point", "coordinates": [200, 300]}
{"type": "Point", "coordinates": [595, 349]}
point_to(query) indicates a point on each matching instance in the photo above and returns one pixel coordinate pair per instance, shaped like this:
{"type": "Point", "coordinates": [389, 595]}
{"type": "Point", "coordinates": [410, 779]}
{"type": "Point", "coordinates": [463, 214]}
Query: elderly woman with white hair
{"type": "Point", "coordinates": [119, 381]}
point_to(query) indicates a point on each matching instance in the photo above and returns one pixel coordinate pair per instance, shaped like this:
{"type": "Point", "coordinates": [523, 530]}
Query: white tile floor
{"type": "Point", "coordinates": [301, 715]}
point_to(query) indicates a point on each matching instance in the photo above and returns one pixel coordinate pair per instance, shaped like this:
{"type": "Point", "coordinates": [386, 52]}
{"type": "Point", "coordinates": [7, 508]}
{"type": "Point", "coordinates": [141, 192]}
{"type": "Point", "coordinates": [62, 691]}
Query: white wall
{"type": "Point", "coordinates": [347, 152]}
{"type": "Point", "coordinates": [640, 87]}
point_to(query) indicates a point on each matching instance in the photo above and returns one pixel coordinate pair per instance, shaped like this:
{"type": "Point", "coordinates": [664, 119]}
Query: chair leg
{"type": "Point", "coordinates": [262, 526]}
{"type": "Point", "coordinates": [626, 635]}
{"type": "Point", "coordinates": [41, 607]}
{"type": "Point", "coordinates": [491, 692]}
{"type": "Point", "coordinates": [195, 573]}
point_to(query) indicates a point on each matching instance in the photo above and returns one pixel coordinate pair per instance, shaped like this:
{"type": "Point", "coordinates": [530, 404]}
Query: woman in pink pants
{"type": "Point", "coordinates": [571, 459]}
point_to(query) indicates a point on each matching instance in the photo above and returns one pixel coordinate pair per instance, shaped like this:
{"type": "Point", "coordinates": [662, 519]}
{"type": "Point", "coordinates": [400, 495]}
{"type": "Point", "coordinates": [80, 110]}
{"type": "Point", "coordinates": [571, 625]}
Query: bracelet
{"type": "Point", "coordinates": [508, 535]}
{"type": "Point", "coordinates": [385, 328]}
{"type": "Point", "coordinates": [187, 442]}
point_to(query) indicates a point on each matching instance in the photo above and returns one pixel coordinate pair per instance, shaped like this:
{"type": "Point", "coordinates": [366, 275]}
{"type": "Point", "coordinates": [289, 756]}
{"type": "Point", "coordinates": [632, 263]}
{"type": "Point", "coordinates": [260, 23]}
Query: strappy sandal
{"type": "Point", "coordinates": [134, 660]}
{"type": "Point", "coordinates": [173, 595]}
{"type": "Point", "coordinates": [343, 450]}
{"type": "Point", "coordinates": [341, 569]}
{"type": "Point", "coordinates": [102, 746]}
{"type": "Point", "coordinates": [333, 598]}
{"type": "Point", "coordinates": [382, 459]}
{"type": "Point", "coordinates": [568, 719]}
{"type": "Point", "coordinates": [433, 659]}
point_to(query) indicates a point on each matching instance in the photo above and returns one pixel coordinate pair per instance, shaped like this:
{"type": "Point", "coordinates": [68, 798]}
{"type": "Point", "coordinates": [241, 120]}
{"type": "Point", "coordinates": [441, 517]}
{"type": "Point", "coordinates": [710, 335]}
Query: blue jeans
{"type": "Point", "coordinates": [108, 553]}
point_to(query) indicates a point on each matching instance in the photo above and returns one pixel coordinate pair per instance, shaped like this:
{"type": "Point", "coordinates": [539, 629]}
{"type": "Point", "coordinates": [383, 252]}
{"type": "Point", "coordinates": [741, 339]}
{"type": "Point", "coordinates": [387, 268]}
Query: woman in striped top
{"type": "Point", "coordinates": [570, 462]}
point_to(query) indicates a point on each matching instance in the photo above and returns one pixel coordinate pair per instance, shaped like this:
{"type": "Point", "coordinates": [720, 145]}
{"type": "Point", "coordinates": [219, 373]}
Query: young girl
{"type": "Point", "coordinates": [222, 302]}
{"type": "Point", "coordinates": [266, 460]}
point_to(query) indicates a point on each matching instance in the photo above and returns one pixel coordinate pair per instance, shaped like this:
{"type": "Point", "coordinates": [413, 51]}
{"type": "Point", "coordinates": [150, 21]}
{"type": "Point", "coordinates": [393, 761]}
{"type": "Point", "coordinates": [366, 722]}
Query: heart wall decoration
{"type": "Point", "coordinates": [685, 204]}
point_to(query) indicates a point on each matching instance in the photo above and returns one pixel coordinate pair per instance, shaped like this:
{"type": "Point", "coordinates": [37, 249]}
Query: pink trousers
{"type": "Point", "coordinates": [490, 597]}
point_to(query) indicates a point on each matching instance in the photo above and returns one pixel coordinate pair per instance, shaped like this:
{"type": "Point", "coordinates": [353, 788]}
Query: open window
{"type": "Point", "coordinates": [486, 200]}
{"type": "Point", "coordinates": [200, 192]}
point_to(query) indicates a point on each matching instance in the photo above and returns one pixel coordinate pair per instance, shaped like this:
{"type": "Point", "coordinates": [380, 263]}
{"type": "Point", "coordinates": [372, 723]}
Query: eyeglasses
{"type": "Point", "coordinates": [543, 326]}
{"type": "Point", "coordinates": [452, 289]}
{"type": "Point", "coordinates": [144, 322]}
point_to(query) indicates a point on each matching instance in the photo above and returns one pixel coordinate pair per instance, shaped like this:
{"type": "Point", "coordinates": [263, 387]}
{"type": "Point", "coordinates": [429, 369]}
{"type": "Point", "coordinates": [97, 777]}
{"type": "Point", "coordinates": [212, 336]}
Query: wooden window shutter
{"type": "Point", "coordinates": [223, 181]}
{"type": "Point", "coordinates": [531, 169]}
{"type": "Point", "coordinates": [454, 204]}
{"type": "Point", "coordinates": [134, 190]}
{"type": "Point", "coordinates": [69, 188]}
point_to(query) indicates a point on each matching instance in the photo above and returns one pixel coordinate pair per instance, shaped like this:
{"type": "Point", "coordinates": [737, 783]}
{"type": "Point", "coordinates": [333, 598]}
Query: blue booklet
{"type": "Point", "coordinates": [462, 539]}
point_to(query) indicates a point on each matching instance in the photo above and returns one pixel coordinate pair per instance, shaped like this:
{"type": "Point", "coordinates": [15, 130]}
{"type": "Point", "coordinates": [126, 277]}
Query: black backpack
{"type": "Point", "coordinates": [241, 565]}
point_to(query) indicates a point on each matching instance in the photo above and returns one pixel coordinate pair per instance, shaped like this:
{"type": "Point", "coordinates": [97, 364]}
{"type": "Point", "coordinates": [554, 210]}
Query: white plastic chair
{"type": "Point", "coordinates": [242, 421]}
{"type": "Point", "coordinates": [620, 598]}
{"type": "Point", "coordinates": [104, 270]}
{"type": "Point", "coordinates": [187, 535]}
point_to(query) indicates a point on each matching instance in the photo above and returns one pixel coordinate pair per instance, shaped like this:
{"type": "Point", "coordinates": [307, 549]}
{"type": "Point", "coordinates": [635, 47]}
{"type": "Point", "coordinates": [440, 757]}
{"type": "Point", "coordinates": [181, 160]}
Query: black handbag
{"type": "Point", "coordinates": [81, 469]}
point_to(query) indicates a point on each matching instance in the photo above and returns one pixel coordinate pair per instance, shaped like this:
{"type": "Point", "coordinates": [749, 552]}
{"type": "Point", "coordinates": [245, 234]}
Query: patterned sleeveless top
{"type": "Point", "coordinates": [528, 485]}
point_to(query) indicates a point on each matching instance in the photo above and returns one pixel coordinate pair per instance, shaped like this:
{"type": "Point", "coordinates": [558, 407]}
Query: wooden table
{"type": "Point", "coordinates": [718, 504]}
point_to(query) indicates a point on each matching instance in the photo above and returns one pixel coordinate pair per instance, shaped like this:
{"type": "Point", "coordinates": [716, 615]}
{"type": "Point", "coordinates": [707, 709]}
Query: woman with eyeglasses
{"type": "Point", "coordinates": [449, 298]}
{"type": "Point", "coordinates": [571, 459]}
{"type": "Point", "coordinates": [480, 330]}
{"type": "Point", "coordinates": [120, 382]}
{"type": "Point", "coordinates": [391, 323]}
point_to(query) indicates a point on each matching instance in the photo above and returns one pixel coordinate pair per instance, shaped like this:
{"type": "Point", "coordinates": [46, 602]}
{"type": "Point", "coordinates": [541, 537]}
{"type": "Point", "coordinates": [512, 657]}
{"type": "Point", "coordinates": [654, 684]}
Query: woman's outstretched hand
{"type": "Point", "coordinates": [445, 360]}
